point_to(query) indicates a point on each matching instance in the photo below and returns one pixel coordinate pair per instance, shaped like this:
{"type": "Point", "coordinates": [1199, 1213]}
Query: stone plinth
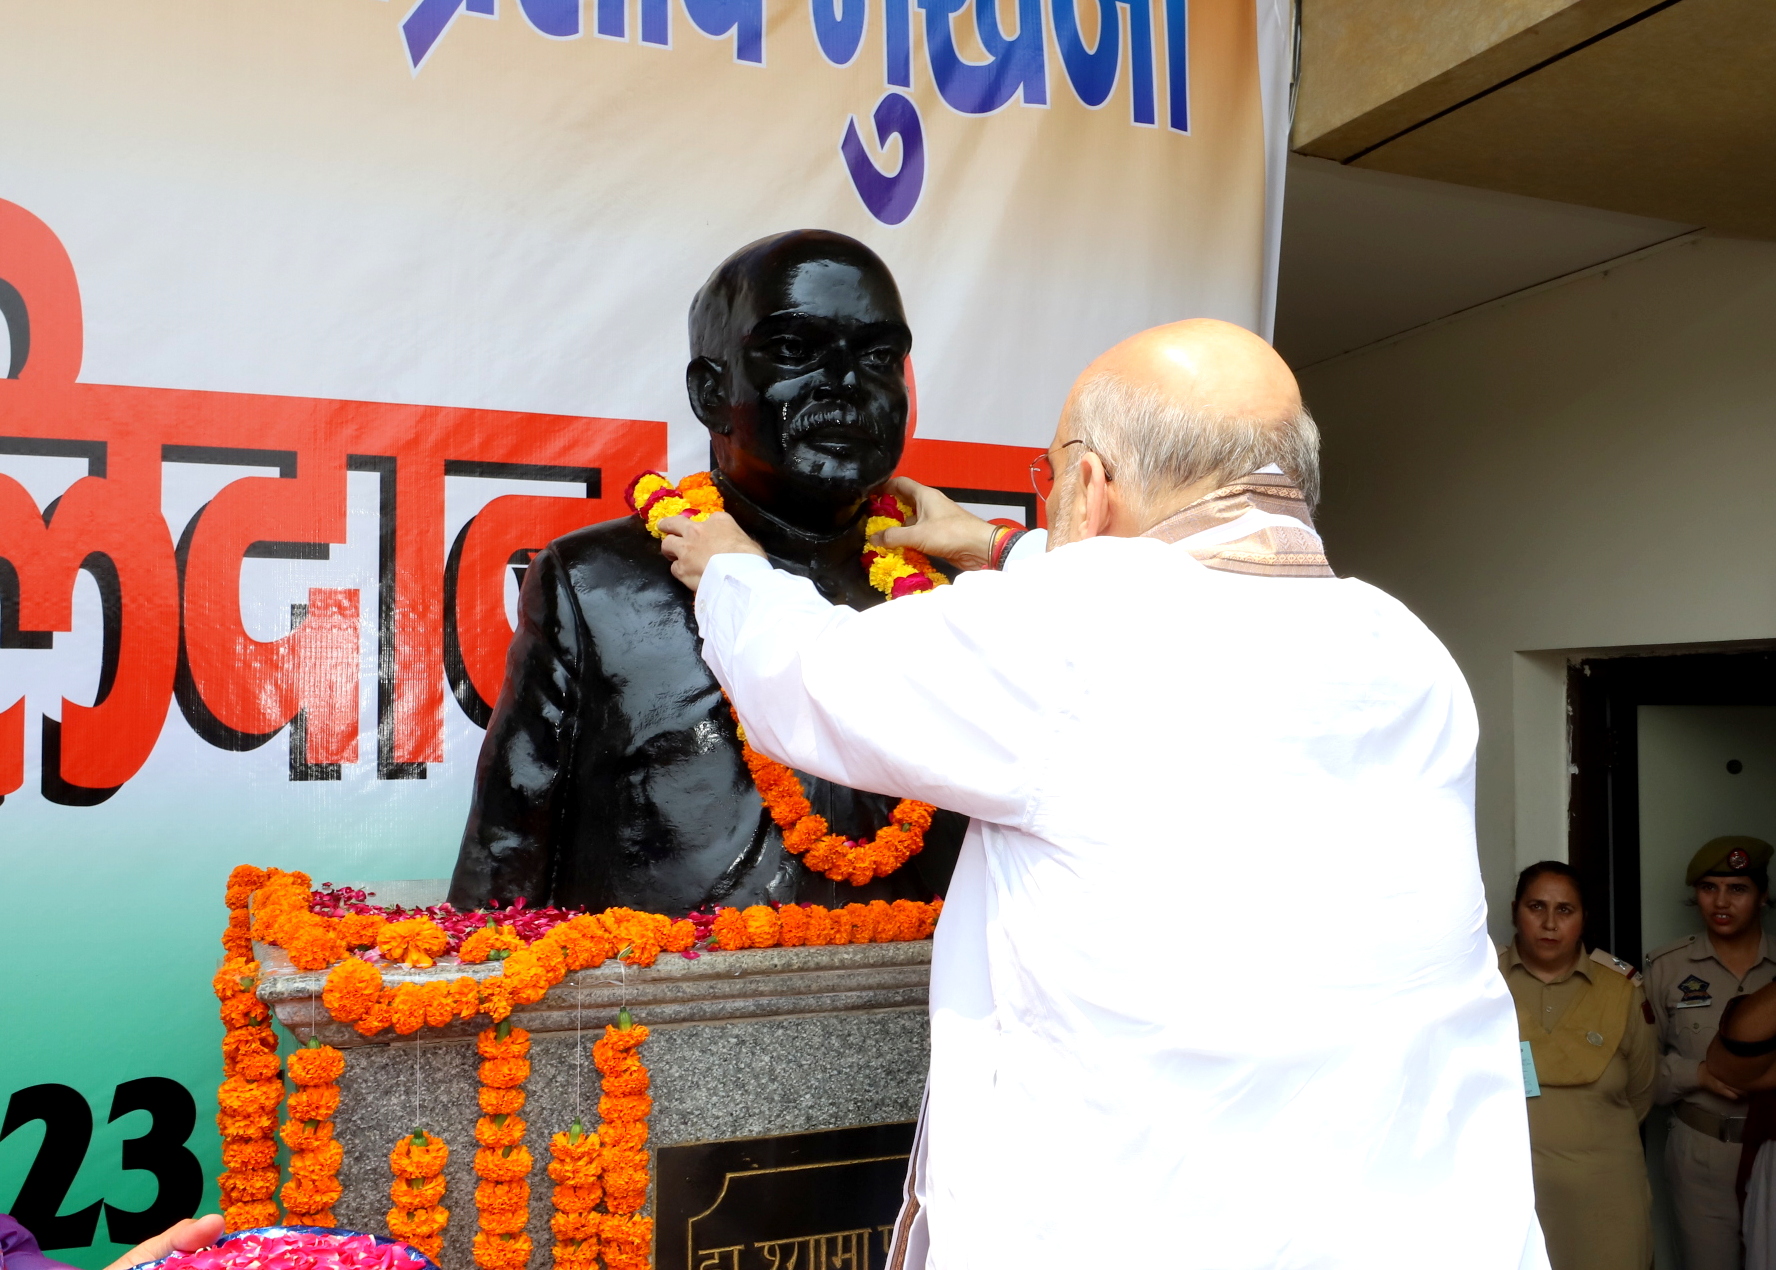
{"type": "Point", "coordinates": [743, 1045]}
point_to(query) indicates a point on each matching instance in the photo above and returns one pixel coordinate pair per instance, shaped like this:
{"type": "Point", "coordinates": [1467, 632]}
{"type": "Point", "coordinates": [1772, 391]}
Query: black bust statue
{"type": "Point", "coordinates": [611, 773]}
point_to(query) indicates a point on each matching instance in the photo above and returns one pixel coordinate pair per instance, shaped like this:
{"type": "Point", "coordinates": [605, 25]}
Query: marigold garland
{"type": "Point", "coordinates": [502, 1162]}
{"type": "Point", "coordinates": [251, 1088]}
{"type": "Point", "coordinates": [573, 1167]}
{"type": "Point", "coordinates": [894, 570]}
{"type": "Point", "coordinates": [313, 1187]}
{"type": "Point", "coordinates": [418, 1217]}
{"type": "Point", "coordinates": [622, 1159]}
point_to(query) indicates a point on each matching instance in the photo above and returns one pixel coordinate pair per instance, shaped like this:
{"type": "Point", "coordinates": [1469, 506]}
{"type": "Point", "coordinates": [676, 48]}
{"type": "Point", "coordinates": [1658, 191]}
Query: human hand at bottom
{"type": "Point", "coordinates": [182, 1236]}
{"type": "Point", "coordinates": [690, 543]}
{"type": "Point", "coordinates": [939, 527]}
{"type": "Point", "coordinates": [1715, 1085]}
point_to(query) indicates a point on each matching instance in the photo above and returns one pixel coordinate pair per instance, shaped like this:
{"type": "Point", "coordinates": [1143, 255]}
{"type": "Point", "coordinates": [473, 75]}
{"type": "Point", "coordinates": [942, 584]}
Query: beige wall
{"type": "Point", "coordinates": [1585, 467]}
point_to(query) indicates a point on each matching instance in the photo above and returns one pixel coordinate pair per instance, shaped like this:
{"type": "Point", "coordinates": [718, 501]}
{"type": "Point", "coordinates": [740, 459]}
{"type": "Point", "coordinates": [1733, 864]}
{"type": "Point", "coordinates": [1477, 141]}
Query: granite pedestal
{"type": "Point", "coordinates": [756, 1058]}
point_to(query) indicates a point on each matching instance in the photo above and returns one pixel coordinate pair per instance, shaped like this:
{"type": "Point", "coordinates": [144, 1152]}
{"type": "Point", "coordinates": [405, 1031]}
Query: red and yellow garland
{"type": "Point", "coordinates": [502, 1161]}
{"type": "Point", "coordinates": [622, 1135]}
{"type": "Point", "coordinates": [896, 571]}
{"type": "Point", "coordinates": [419, 1217]}
{"type": "Point", "coordinates": [313, 1187]}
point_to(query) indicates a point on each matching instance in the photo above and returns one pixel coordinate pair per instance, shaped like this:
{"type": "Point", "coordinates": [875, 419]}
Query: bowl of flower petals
{"type": "Point", "coordinates": [298, 1248]}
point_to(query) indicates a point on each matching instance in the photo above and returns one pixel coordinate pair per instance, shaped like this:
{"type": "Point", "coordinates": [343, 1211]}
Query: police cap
{"type": "Point", "coordinates": [1731, 856]}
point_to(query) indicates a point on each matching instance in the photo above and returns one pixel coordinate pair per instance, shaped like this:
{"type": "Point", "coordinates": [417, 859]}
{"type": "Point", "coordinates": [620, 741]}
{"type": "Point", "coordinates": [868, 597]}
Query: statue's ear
{"type": "Point", "coordinates": [703, 381]}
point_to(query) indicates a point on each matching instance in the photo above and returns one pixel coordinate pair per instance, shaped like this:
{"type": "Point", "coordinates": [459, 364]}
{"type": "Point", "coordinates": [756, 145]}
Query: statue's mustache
{"type": "Point", "coordinates": [819, 416]}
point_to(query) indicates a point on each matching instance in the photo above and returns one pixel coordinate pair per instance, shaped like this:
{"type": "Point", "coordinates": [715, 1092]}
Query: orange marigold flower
{"type": "Point", "coordinates": [504, 1221]}
{"type": "Point", "coordinates": [378, 1016]}
{"type": "Point", "coordinates": [581, 1198]}
{"type": "Point", "coordinates": [253, 1065]}
{"type": "Point", "coordinates": [505, 1073]}
{"type": "Point", "coordinates": [493, 1196]}
{"type": "Point", "coordinates": [499, 1131]}
{"type": "Point", "coordinates": [490, 1044]}
{"type": "Point", "coordinates": [313, 945]}
{"type": "Point", "coordinates": [501, 1102]}
{"type": "Point", "coordinates": [310, 1194]}
{"type": "Point", "coordinates": [761, 926]}
{"type": "Point", "coordinates": [792, 926]}
{"type": "Point", "coordinates": [415, 941]}
{"type": "Point", "coordinates": [502, 1252]}
{"type": "Point", "coordinates": [352, 987]}
{"type": "Point", "coordinates": [243, 1010]}
{"type": "Point", "coordinates": [419, 1155]}
{"type": "Point", "coordinates": [625, 1190]}
{"type": "Point", "coordinates": [624, 1107]}
{"type": "Point", "coordinates": [247, 1096]}
{"type": "Point", "coordinates": [246, 876]}
{"type": "Point", "coordinates": [575, 1224]}
{"type": "Point", "coordinates": [407, 1012]}
{"type": "Point", "coordinates": [465, 997]}
{"type": "Point", "coordinates": [258, 1124]}
{"type": "Point", "coordinates": [631, 1135]}
{"type": "Point", "coordinates": [820, 926]}
{"type": "Point", "coordinates": [314, 1102]}
{"type": "Point", "coordinates": [235, 977]}
{"type": "Point", "coordinates": [245, 1155]}
{"type": "Point", "coordinates": [496, 999]}
{"type": "Point", "coordinates": [627, 1082]}
{"type": "Point", "coordinates": [489, 939]}
{"type": "Point", "coordinates": [439, 1001]}
{"type": "Point", "coordinates": [306, 1135]}
{"type": "Point", "coordinates": [318, 1065]}
{"type": "Point", "coordinates": [244, 1186]}
{"type": "Point", "coordinates": [320, 1163]}
{"type": "Point", "coordinates": [729, 931]}
{"type": "Point", "coordinates": [262, 1212]}
{"type": "Point", "coordinates": [496, 1165]}
{"type": "Point", "coordinates": [416, 1192]}
{"type": "Point", "coordinates": [417, 1223]}
{"type": "Point", "coordinates": [525, 977]}
{"type": "Point", "coordinates": [360, 930]}
{"type": "Point", "coordinates": [679, 937]}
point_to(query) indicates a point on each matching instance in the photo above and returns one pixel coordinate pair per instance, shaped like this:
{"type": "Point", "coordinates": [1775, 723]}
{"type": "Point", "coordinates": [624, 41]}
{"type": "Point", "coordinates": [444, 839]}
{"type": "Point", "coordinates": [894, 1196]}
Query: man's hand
{"type": "Point", "coordinates": [184, 1236]}
{"type": "Point", "coordinates": [689, 544]}
{"type": "Point", "coordinates": [1714, 1084]}
{"type": "Point", "coordinates": [939, 527]}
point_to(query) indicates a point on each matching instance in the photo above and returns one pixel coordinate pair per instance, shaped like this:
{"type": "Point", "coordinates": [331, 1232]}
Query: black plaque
{"type": "Point", "coordinates": [801, 1201]}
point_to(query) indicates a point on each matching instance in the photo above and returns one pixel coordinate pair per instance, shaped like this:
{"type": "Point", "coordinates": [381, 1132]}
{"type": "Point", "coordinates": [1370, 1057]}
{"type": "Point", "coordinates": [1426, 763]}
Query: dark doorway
{"type": "Point", "coordinates": [1604, 697]}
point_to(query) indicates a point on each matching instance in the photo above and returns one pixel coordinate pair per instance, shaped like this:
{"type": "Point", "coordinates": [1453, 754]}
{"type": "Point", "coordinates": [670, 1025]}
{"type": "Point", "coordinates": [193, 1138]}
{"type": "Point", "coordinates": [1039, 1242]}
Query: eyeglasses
{"type": "Point", "coordinates": [1042, 470]}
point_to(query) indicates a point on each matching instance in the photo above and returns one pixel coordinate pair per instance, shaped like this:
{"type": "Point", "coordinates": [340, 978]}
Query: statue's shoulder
{"type": "Point", "coordinates": [613, 553]}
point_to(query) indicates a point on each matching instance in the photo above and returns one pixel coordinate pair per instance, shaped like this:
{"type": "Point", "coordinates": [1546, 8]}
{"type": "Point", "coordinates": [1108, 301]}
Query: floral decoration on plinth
{"type": "Point", "coordinates": [419, 1216]}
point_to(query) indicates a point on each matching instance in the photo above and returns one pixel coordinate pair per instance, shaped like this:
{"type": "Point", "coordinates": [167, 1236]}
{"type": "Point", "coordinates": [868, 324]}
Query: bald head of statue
{"type": "Point", "coordinates": [798, 369]}
{"type": "Point", "coordinates": [1168, 416]}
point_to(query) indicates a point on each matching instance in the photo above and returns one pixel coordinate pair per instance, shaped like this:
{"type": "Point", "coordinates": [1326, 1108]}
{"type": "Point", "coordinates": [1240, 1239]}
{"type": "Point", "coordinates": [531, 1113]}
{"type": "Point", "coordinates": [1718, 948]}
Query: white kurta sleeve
{"type": "Point", "coordinates": [935, 696]}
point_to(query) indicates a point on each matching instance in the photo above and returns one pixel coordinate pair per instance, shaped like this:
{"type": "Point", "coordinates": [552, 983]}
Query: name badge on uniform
{"type": "Point", "coordinates": [1695, 993]}
{"type": "Point", "coordinates": [1532, 1088]}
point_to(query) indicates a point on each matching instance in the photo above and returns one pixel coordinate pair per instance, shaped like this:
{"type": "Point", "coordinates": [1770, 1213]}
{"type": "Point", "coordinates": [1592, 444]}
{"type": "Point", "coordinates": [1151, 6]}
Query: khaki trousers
{"type": "Point", "coordinates": [1701, 1171]}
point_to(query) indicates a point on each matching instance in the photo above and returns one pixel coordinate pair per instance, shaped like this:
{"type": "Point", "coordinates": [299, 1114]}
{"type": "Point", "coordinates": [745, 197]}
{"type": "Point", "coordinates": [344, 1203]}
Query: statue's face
{"type": "Point", "coordinates": [814, 398]}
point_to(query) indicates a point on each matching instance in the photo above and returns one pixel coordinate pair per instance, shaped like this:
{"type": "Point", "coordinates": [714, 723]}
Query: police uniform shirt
{"type": "Point", "coordinates": [1688, 988]}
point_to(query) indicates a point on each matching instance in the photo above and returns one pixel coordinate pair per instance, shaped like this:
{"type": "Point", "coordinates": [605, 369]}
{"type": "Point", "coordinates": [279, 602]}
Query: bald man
{"type": "Point", "coordinates": [1212, 986]}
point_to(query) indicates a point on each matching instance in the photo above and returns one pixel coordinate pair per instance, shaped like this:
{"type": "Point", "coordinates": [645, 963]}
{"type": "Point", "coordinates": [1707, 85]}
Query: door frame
{"type": "Point", "coordinates": [1603, 694]}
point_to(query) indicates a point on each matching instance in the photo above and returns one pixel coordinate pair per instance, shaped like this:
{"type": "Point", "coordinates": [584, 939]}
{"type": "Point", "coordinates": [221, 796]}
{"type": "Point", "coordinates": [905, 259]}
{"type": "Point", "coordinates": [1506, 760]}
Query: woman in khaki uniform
{"type": "Point", "coordinates": [1595, 1051]}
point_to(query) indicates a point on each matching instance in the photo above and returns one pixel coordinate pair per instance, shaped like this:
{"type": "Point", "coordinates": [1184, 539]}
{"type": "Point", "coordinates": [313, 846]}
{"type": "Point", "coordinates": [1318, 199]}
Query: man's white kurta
{"type": "Point", "coordinates": [1212, 986]}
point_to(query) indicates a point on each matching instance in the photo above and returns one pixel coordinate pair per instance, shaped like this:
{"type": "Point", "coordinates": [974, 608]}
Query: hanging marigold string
{"type": "Point", "coordinates": [315, 1157]}
{"type": "Point", "coordinates": [419, 1216]}
{"type": "Point", "coordinates": [502, 1161]}
{"type": "Point", "coordinates": [252, 1086]}
{"type": "Point", "coordinates": [573, 1167]}
{"type": "Point", "coordinates": [896, 571]}
{"type": "Point", "coordinates": [622, 1134]}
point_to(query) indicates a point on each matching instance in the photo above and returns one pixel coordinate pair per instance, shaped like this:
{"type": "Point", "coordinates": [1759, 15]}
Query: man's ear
{"type": "Point", "coordinates": [703, 382]}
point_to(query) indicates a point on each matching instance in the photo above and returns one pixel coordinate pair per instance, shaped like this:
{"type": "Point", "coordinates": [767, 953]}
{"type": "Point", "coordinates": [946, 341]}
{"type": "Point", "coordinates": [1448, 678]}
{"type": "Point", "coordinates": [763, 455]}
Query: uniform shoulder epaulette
{"type": "Point", "coordinates": [1616, 964]}
{"type": "Point", "coordinates": [1672, 947]}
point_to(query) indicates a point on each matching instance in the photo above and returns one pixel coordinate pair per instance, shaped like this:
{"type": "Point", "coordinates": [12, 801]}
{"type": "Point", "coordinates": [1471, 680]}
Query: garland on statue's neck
{"type": "Point", "coordinates": [894, 571]}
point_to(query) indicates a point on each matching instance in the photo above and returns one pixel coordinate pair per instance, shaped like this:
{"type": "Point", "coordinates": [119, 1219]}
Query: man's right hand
{"type": "Point", "coordinates": [1714, 1084]}
{"type": "Point", "coordinates": [939, 527]}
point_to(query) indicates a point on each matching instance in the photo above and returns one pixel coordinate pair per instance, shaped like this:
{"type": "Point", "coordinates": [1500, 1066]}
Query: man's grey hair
{"type": "Point", "coordinates": [1157, 445]}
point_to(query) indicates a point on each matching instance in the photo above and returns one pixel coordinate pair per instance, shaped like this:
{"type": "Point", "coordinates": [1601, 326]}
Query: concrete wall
{"type": "Point", "coordinates": [1585, 467]}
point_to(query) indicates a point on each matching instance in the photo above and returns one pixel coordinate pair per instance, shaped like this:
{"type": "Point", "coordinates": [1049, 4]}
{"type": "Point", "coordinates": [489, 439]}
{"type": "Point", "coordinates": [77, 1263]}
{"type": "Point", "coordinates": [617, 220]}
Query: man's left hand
{"type": "Point", "coordinates": [689, 544]}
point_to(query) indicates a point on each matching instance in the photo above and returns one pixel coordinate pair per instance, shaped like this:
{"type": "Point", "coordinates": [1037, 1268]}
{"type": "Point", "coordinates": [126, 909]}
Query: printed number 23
{"type": "Point", "coordinates": [67, 1131]}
